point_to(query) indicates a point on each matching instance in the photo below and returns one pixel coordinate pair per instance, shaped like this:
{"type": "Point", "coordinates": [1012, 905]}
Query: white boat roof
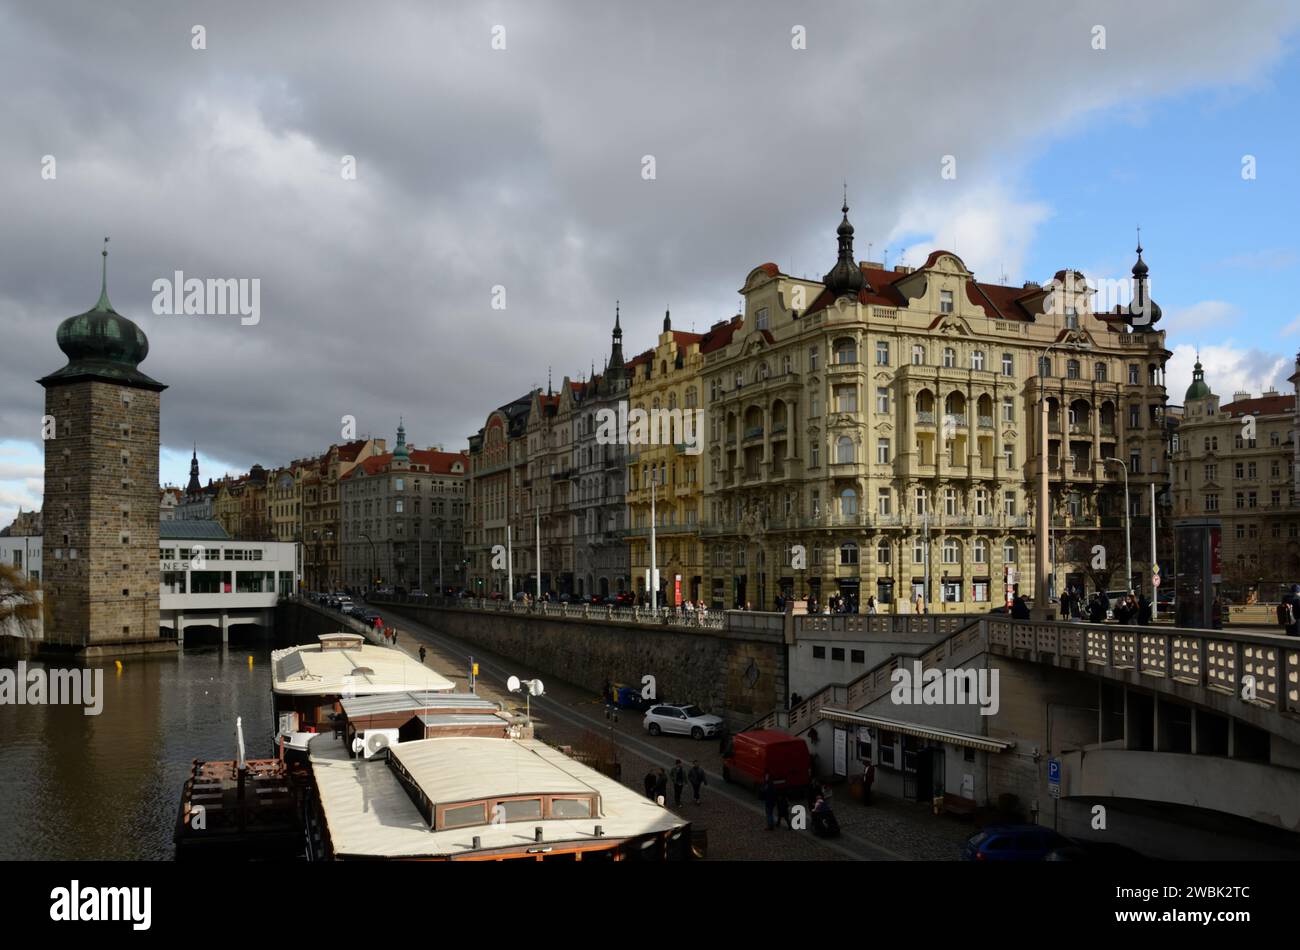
{"type": "Point", "coordinates": [369, 814]}
{"type": "Point", "coordinates": [414, 702]}
{"type": "Point", "coordinates": [315, 669]}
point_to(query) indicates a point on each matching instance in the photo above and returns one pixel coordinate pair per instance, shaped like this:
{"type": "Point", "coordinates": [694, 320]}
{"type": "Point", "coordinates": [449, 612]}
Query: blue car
{"type": "Point", "coordinates": [1013, 843]}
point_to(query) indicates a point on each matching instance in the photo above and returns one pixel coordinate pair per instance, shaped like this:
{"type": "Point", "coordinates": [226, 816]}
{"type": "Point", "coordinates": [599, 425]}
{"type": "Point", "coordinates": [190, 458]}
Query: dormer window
{"type": "Point", "coordinates": [760, 318]}
{"type": "Point", "coordinates": [945, 301]}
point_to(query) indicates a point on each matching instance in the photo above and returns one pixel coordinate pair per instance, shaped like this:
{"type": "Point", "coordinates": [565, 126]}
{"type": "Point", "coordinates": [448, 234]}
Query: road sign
{"type": "Point", "coordinates": [1054, 777]}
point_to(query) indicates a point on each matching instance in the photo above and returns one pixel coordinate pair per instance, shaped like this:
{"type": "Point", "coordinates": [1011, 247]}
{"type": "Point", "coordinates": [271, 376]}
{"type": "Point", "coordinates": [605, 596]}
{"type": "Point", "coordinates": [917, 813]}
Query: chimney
{"type": "Point", "coordinates": [1239, 396]}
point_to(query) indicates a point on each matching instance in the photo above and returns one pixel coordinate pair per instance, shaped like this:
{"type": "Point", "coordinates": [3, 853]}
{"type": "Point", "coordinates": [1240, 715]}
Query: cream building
{"type": "Point", "coordinates": [1247, 483]}
{"type": "Point", "coordinates": [877, 434]}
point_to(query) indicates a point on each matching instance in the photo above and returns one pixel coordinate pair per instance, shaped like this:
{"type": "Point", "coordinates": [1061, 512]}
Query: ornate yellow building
{"type": "Point", "coordinates": [876, 434]}
{"type": "Point", "coordinates": [667, 380]}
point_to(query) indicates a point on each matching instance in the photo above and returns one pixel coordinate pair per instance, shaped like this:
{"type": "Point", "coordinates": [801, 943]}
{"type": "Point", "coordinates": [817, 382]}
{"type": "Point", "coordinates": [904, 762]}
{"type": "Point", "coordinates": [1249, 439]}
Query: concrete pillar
{"type": "Point", "coordinates": [180, 627]}
{"type": "Point", "coordinates": [1195, 726]}
{"type": "Point", "coordinates": [225, 628]}
{"type": "Point", "coordinates": [1155, 722]}
{"type": "Point", "coordinates": [1126, 744]}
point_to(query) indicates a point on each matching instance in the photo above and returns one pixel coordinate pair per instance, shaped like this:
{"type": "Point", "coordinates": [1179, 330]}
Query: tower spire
{"type": "Point", "coordinates": [845, 279]}
{"type": "Point", "coordinates": [102, 305]}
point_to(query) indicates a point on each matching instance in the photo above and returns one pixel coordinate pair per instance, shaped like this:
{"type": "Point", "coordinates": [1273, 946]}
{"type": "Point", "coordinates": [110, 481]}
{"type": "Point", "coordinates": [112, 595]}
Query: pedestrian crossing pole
{"type": "Point", "coordinates": [1155, 561]}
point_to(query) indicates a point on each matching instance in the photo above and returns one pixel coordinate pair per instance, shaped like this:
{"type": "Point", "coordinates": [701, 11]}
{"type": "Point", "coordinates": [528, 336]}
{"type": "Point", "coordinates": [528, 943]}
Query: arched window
{"type": "Point", "coordinates": [848, 553]}
{"type": "Point", "coordinates": [884, 555]}
{"type": "Point", "coordinates": [918, 551]}
{"type": "Point", "coordinates": [1009, 551]}
{"type": "Point", "coordinates": [849, 503]}
{"type": "Point", "coordinates": [951, 551]}
{"type": "Point", "coordinates": [846, 351]}
{"type": "Point", "coordinates": [980, 551]}
{"type": "Point", "coordinates": [672, 400]}
{"type": "Point", "coordinates": [844, 450]}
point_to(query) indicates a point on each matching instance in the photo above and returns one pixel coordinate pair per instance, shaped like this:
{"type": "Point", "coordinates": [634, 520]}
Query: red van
{"type": "Point", "coordinates": [751, 755]}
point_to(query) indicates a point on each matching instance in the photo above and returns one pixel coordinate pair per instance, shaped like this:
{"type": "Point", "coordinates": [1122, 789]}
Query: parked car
{"type": "Point", "coordinates": [367, 616]}
{"type": "Point", "coordinates": [1105, 852]}
{"type": "Point", "coordinates": [1013, 843]}
{"type": "Point", "coordinates": [417, 596]}
{"type": "Point", "coordinates": [625, 599]}
{"type": "Point", "coordinates": [751, 755]}
{"type": "Point", "coordinates": [681, 719]}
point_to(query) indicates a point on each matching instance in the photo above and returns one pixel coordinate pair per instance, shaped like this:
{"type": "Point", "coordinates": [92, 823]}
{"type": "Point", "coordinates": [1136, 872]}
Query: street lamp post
{"type": "Point", "coordinates": [373, 567]}
{"type": "Point", "coordinates": [654, 566]}
{"type": "Point", "coordinates": [1128, 525]}
{"type": "Point", "coordinates": [1043, 569]}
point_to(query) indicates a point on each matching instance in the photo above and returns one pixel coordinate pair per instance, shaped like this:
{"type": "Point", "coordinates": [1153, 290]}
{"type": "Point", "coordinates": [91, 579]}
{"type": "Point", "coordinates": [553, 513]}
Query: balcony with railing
{"type": "Point", "coordinates": [954, 420]}
{"type": "Point", "coordinates": [754, 432]}
{"type": "Point", "coordinates": [985, 422]}
{"type": "Point", "coordinates": [924, 418]}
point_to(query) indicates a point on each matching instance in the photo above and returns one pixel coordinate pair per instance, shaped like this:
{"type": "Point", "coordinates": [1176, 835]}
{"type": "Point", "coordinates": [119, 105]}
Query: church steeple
{"type": "Point", "coordinates": [401, 456]}
{"type": "Point", "coordinates": [614, 369]}
{"type": "Point", "coordinates": [194, 486]}
{"type": "Point", "coordinates": [668, 322]}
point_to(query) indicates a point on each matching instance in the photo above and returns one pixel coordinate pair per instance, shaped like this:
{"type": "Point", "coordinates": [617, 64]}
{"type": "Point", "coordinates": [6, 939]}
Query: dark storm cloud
{"type": "Point", "coordinates": [519, 167]}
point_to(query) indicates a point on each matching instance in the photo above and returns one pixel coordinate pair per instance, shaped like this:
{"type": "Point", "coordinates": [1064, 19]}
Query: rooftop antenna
{"type": "Point", "coordinates": [886, 264]}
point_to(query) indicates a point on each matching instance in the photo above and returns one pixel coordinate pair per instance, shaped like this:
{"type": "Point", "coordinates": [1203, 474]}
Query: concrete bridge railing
{"type": "Point", "coordinates": [1253, 676]}
{"type": "Point", "coordinates": [711, 619]}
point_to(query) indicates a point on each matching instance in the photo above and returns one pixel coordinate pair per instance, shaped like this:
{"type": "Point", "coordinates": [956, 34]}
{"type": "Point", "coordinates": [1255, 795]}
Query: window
{"type": "Point", "coordinates": [849, 503]}
{"type": "Point", "coordinates": [981, 502]}
{"type": "Point", "coordinates": [760, 318]}
{"type": "Point", "coordinates": [920, 498]}
{"type": "Point", "coordinates": [398, 484]}
{"type": "Point", "coordinates": [1071, 318]}
{"type": "Point", "coordinates": [1009, 503]}
{"type": "Point", "coordinates": [949, 357]}
{"type": "Point", "coordinates": [977, 360]}
{"type": "Point", "coordinates": [844, 450]}
{"type": "Point", "coordinates": [1212, 502]}
{"type": "Point", "coordinates": [814, 455]}
{"type": "Point", "coordinates": [1044, 366]}
{"type": "Point", "coordinates": [846, 398]}
{"type": "Point", "coordinates": [950, 501]}
{"type": "Point", "coordinates": [1072, 369]}
{"type": "Point", "coordinates": [1134, 417]}
{"type": "Point", "coordinates": [1008, 365]}
{"type": "Point", "coordinates": [980, 551]}
{"type": "Point", "coordinates": [819, 653]}
{"type": "Point", "coordinates": [1009, 552]}
{"type": "Point", "coordinates": [918, 551]}
{"type": "Point", "coordinates": [462, 816]}
{"type": "Point", "coordinates": [882, 399]}
{"type": "Point", "coordinates": [812, 358]}
{"type": "Point", "coordinates": [884, 554]}
{"type": "Point", "coordinates": [837, 653]}
{"type": "Point", "coordinates": [848, 556]}
{"type": "Point", "coordinates": [884, 498]}
{"type": "Point", "coordinates": [945, 301]}
{"type": "Point", "coordinates": [951, 551]}
{"type": "Point", "coordinates": [882, 451]}
{"type": "Point", "coordinates": [1133, 376]}
{"type": "Point", "coordinates": [846, 351]}
{"type": "Point", "coordinates": [857, 656]}
{"type": "Point", "coordinates": [918, 355]}
{"type": "Point", "coordinates": [1008, 409]}
{"type": "Point", "coordinates": [1009, 455]}
{"type": "Point", "coordinates": [882, 353]}
{"type": "Point", "coordinates": [1099, 372]}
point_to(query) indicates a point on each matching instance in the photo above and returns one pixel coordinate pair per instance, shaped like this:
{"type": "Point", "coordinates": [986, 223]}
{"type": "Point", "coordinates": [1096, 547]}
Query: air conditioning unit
{"type": "Point", "coordinates": [374, 741]}
{"type": "Point", "coordinates": [288, 723]}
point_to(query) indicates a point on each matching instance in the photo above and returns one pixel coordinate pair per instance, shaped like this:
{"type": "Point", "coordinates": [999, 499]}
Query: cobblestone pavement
{"type": "Point", "coordinates": [732, 815]}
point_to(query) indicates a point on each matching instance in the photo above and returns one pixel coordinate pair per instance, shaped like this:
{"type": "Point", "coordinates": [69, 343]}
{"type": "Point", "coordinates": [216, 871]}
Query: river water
{"type": "Point", "coordinates": [74, 786]}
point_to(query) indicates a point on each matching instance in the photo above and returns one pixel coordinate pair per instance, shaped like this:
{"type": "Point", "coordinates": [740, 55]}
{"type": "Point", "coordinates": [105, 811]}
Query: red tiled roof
{"type": "Point", "coordinates": [440, 463]}
{"type": "Point", "coordinates": [684, 339]}
{"type": "Point", "coordinates": [1260, 406]}
{"type": "Point", "coordinates": [720, 334]}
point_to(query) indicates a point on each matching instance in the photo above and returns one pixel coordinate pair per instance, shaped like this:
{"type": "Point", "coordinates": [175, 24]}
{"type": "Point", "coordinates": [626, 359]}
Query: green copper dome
{"type": "Point", "coordinates": [102, 344]}
{"type": "Point", "coordinates": [1198, 389]}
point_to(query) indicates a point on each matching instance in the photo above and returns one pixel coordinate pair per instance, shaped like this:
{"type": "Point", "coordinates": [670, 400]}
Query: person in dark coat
{"type": "Point", "coordinates": [679, 782]}
{"type": "Point", "coordinates": [1019, 609]}
{"type": "Point", "coordinates": [650, 780]}
{"type": "Point", "coordinates": [768, 792]}
{"type": "Point", "coordinates": [697, 778]}
{"type": "Point", "coordinates": [422, 654]}
{"type": "Point", "coordinates": [1144, 611]}
{"type": "Point", "coordinates": [783, 810]}
{"type": "Point", "coordinates": [661, 787]}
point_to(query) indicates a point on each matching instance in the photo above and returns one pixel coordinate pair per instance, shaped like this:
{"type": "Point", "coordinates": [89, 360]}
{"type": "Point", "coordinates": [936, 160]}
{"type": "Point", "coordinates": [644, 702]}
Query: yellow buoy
{"type": "Point", "coordinates": [250, 662]}
{"type": "Point", "coordinates": [118, 664]}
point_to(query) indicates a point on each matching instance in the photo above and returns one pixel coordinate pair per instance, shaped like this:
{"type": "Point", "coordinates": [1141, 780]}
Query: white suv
{"type": "Point", "coordinates": [682, 719]}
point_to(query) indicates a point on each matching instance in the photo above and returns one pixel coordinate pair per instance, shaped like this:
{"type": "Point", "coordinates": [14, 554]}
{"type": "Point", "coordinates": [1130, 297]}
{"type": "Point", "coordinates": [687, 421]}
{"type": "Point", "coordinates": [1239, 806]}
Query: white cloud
{"type": "Point", "coordinates": [1229, 368]}
{"type": "Point", "coordinates": [1205, 315]}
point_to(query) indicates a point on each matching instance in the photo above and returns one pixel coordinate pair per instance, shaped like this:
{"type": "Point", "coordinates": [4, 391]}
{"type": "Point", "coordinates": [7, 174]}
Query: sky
{"type": "Point", "coordinates": [521, 175]}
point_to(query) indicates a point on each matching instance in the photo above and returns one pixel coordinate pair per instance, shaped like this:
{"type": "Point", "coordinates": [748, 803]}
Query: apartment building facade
{"type": "Point", "coordinates": [877, 434]}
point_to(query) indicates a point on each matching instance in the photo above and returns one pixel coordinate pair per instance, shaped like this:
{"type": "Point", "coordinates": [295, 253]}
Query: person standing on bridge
{"type": "Point", "coordinates": [422, 654]}
{"type": "Point", "coordinates": [1288, 611]}
{"type": "Point", "coordinates": [650, 779]}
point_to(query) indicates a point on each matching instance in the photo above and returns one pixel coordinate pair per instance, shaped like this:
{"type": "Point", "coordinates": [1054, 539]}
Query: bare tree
{"type": "Point", "coordinates": [20, 601]}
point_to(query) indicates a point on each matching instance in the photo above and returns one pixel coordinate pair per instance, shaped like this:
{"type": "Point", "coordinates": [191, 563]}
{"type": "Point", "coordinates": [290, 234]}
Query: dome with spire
{"type": "Point", "coordinates": [845, 279]}
{"type": "Point", "coordinates": [1142, 302]}
{"type": "Point", "coordinates": [1198, 389]}
{"type": "Point", "coordinates": [401, 453]}
{"type": "Point", "coordinates": [102, 344]}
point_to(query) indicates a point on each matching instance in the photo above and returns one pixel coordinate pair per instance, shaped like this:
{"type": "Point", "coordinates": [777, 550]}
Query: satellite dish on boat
{"type": "Point", "coordinates": [512, 684]}
{"type": "Point", "coordinates": [535, 687]}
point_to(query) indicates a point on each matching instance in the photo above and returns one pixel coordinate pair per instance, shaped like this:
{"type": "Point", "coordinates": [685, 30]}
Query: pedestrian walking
{"type": "Point", "coordinates": [661, 787]}
{"type": "Point", "coordinates": [679, 782]}
{"type": "Point", "coordinates": [697, 778]}
{"type": "Point", "coordinates": [650, 779]}
{"type": "Point", "coordinates": [783, 810]}
{"type": "Point", "coordinates": [422, 653]}
{"type": "Point", "coordinates": [768, 791]}
{"type": "Point", "coordinates": [871, 605]}
{"type": "Point", "coordinates": [868, 779]}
